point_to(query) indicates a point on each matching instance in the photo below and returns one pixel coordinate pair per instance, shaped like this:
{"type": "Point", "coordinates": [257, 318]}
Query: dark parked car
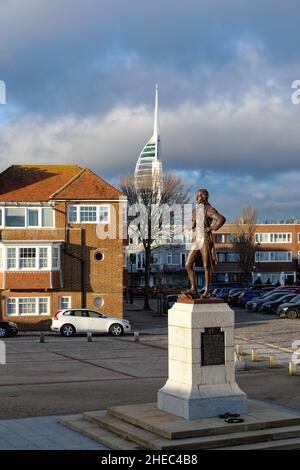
{"type": "Point", "coordinates": [234, 295]}
{"type": "Point", "coordinates": [168, 302]}
{"type": "Point", "coordinates": [290, 309]}
{"type": "Point", "coordinates": [216, 291]}
{"type": "Point", "coordinates": [8, 328]}
{"type": "Point", "coordinates": [257, 301]}
{"type": "Point", "coordinates": [271, 306]}
{"type": "Point", "coordinates": [248, 295]}
{"type": "Point", "coordinates": [223, 293]}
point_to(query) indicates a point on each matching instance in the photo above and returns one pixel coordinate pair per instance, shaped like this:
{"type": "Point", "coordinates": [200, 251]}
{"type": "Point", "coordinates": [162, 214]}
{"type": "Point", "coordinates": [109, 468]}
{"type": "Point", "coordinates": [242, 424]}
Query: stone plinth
{"type": "Point", "coordinates": [201, 381]}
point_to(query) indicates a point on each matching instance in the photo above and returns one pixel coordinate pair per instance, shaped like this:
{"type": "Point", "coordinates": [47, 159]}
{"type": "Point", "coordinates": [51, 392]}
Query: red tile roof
{"type": "Point", "coordinates": [26, 183]}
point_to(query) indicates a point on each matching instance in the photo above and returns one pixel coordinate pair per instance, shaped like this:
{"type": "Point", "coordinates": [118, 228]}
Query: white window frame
{"type": "Point", "coordinates": [158, 259]}
{"type": "Point", "coordinates": [36, 258]}
{"type": "Point", "coordinates": [37, 306]}
{"type": "Point", "coordinates": [270, 235]}
{"type": "Point", "coordinates": [25, 217]}
{"type": "Point", "coordinates": [37, 267]}
{"type": "Point", "coordinates": [273, 253]}
{"type": "Point", "coordinates": [39, 217]}
{"type": "Point", "coordinates": [298, 237]}
{"type": "Point", "coordinates": [27, 226]}
{"type": "Point", "coordinates": [97, 221]}
{"type": "Point", "coordinates": [169, 256]}
{"type": "Point", "coordinates": [223, 238]}
{"type": "Point", "coordinates": [6, 258]}
{"type": "Point", "coordinates": [69, 301]}
{"type": "Point", "coordinates": [2, 217]}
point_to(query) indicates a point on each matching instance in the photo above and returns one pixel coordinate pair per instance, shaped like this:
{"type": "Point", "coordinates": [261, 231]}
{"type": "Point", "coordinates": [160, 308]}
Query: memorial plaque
{"type": "Point", "coordinates": [212, 347]}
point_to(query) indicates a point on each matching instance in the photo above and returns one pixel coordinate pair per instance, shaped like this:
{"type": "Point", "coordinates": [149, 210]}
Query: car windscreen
{"type": "Point", "coordinates": [273, 296]}
{"type": "Point", "coordinates": [285, 297]}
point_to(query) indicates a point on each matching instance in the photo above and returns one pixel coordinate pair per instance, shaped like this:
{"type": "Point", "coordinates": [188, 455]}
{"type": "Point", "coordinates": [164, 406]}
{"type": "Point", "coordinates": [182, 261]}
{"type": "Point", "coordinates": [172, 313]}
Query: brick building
{"type": "Point", "coordinates": [277, 253]}
{"type": "Point", "coordinates": [277, 258]}
{"type": "Point", "coordinates": [51, 255]}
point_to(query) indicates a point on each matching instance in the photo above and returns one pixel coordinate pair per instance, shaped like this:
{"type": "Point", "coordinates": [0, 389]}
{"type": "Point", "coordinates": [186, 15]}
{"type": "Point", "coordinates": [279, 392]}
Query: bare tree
{"type": "Point", "coordinates": [243, 239]}
{"type": "Point", "coordinates": [150, 226]}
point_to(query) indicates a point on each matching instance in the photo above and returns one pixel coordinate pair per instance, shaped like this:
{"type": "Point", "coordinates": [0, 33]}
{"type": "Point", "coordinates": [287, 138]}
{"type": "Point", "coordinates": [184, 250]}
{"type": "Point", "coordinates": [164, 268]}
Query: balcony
{"type": "Point", "coordinates": [31, 280]}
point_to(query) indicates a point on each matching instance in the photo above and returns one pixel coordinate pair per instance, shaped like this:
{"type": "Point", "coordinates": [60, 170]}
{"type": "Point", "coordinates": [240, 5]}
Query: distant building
{"type": "Point", "coordinates": [277, 258]}
{"type": "Point", "coordinates": [50, 254]}
{"type": "Point", "coordinates": [148, 170]}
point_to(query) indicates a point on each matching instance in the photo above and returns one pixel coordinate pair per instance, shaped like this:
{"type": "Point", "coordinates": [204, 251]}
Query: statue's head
{"type": "Point", "coordinates": [202, 196]}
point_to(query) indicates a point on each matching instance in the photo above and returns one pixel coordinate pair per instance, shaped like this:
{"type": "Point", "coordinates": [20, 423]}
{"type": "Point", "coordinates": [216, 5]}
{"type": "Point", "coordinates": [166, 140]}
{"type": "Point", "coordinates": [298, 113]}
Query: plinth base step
{"type": "Point", "coordinates": [135, 427]}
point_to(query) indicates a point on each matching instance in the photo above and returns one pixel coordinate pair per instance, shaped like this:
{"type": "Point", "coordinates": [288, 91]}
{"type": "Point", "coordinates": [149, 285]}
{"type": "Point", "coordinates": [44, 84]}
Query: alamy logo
{"type": "Point", "coordinates": [296, 354]}
{"type": "Point", "coordinates": [2, 92]}
{"type": "Point", "coordinates": [2, 352]}
{"type": "Point", "coordinates": [296, 94]}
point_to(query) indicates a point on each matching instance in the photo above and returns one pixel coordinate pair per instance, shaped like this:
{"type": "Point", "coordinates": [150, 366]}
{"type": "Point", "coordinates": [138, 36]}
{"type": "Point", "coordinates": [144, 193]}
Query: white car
{"type": "Point", "coordinates": [69, 321]}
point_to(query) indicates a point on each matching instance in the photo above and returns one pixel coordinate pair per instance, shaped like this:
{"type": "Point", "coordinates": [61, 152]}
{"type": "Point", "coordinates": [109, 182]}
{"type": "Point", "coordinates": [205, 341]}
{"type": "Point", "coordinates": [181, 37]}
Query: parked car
{"type": "Point", "coordinates": [234, 295]}
{"type": "Point", "coordinates": [271, 306]}
{"type": "Point", "coordinates": [216, 291]}
{"type": "Point", "coordinates": [257, 301]}
{"type": "Point", "coordinates": [8, 328]}
{"type": "Point", "coordinates": [246, 296]}
{"type": "Point", "coordinates": [168, 302]}
{"type": "Point", "coordinates": [290, 309]}
{"type": "Point", "coordinates": [69, 321]}
{"type": "Point", "coordinates": [223, 293]}
{"type": "Point", "coordinates": [136, 290]}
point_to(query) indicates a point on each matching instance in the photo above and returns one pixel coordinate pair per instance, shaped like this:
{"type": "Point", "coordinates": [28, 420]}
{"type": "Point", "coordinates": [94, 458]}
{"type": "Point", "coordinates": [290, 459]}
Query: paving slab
{"type": "Point", "coordinates": [42, 433]}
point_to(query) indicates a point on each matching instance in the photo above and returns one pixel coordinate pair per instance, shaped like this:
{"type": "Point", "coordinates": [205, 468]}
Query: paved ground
{"type": "Point", "coordinates": [70, 375]}
{"type": "Point", "coordinates": [42, 434]}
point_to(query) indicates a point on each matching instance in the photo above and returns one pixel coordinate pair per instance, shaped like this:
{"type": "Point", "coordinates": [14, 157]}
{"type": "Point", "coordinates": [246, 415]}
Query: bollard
{"type": "Point", "coordinates": [136, 336]}
{"type": "Point", "coordinates": [89, 337]}
{"type": "Point", "coordinates": [254, 355]}
{"type": "Point", "coordinates": [271, 362]}
{"type": "Point", "coordinates": [42, 337]}
{"type": "Point", "coordinates": [292, 368]}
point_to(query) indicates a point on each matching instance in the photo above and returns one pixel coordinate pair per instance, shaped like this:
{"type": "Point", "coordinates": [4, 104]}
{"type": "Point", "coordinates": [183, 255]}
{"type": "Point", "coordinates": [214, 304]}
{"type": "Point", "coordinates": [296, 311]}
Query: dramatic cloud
{"type": "Point", "coordinates": [80, 82]}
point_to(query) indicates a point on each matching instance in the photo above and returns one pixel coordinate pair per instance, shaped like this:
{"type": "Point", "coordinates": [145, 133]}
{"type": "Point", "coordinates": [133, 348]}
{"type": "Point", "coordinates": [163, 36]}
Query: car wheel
{"type": "Point", "coordinates": [292, 314]}
{"type": "Point", "coordinates": [67, 330]}
{"type": "Point", "coordinates": [3, 332]}
{"type": "Point", "coordinates": [116, 330]}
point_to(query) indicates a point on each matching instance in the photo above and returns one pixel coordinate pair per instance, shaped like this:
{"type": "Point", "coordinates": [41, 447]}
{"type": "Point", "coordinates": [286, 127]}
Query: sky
{"type": "Point", "coordinates": [80, 79]}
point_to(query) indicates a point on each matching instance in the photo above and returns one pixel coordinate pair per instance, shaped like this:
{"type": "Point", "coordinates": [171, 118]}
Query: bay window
{"type": "Point", "coordinates": [29, 258]}
{"type": "Point", "coordinates": [27, 306]}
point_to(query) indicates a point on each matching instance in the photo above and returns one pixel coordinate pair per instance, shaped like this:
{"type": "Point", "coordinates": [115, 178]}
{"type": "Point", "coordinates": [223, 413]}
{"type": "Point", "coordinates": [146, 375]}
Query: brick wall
{"type": "Point", "coordinates": [101, 278]}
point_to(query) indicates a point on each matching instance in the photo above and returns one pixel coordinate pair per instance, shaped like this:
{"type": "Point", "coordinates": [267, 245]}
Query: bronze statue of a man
{"type": "Point", "coordinates": [202, 241]}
